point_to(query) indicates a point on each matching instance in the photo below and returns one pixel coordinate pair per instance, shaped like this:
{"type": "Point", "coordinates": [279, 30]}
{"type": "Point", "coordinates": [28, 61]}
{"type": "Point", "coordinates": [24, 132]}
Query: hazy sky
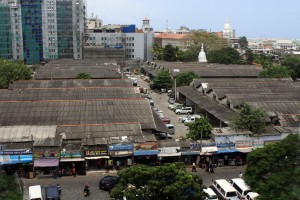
{"type": "Point", "coordinates": [250, 18]}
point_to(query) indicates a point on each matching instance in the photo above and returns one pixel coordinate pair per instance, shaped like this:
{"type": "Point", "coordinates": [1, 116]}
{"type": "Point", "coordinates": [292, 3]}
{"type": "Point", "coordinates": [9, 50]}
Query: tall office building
{"type": "Point", "coordinates": [40, 30]}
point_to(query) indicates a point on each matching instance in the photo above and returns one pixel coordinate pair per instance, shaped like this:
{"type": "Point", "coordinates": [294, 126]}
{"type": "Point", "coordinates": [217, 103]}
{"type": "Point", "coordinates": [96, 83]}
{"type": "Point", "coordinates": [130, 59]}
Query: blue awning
{"type": "Point", "coordinates": [227, 150]}
{"type": "Point", "coordinates": [14, 159]}
{"type": "Point", "coordinates": [145, 152]}
{"type": "Point", "coordinates": [190, 153]}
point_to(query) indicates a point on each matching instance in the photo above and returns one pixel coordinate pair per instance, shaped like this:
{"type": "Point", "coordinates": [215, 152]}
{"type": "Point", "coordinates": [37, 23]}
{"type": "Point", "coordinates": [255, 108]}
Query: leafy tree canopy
{"type": "Point", "coordinates": [83, 76]}
{"type": "Point", "coordinates": [249, 56]}
{"type": "Point", "coordinates": [157, 183]}
{"type": "Point", "coordinates": [12, 71]}
{"type": "Point", "coordinates": [275, 71]}
{"type": "Point", "coordinates": [9, 188]}
{"type": "Point", "coordinates": [185, 78]}
{"type": "Point", "coordinates": [170, 53]}
{"type": "Point", "coordinates": [263, 59]}
{"type": "Point", "coordinates": [273, 172]}
{"type": "Point", "coordinates": [250, 118]}
{"type": "Point", "coordinates": [226, 55]}
{"type": "Point", "coordinates": [163, 80]}
{"type": "Point", "coordinates": [243, 42]}
{"type": "Point", "coordinates": [157, 51]}
{"type": "Point", "coordinates": [210, 41]}
{"type": "Point", "coordinates": [189, 55]}
{"type": "Point", "coordinates": [292, 62]}
{"type": "Point", "coordinates": [200, 125]}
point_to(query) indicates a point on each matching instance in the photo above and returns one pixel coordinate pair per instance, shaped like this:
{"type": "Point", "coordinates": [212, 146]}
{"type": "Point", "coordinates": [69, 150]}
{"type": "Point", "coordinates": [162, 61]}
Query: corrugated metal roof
{"type": "Point", "coordinates": [69, 94]}
{"type": "Point", "coordinates": [47, 73]}
{"type": "Point", "coordinates": [24, 133]}
{"type": "Point", "coordinates": [219, 111]}
{"type": "Point", "coordinates": [70, 83]}
{"type": "Point", "coordinates": [77, 112]}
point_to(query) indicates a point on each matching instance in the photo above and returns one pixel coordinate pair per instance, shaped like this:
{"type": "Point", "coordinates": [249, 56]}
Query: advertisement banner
{"type": "Point", "coordinates": [46, 154]}
{"type": "Point", "coordinates": [95, 153]}
{"type": "Point", "coordinates": [120, 147]}
{"type": "Point", "coordinates": [146, 146]}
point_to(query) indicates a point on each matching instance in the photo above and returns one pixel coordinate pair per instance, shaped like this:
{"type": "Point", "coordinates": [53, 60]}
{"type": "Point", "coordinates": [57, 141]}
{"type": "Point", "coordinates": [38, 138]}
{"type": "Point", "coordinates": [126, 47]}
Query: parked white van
{"type": "Point", "coordinates": [241, 187]}
{"type": "Point", "coordinates": [171, 128]}
{"type": "Point", "coordinates": [211, 194]}
{"type": "Point", "coordinates": [224, 190]}
{"type": "Point", "coordinates": [35, 192]}
{"type": "Point", "coordinates": [252, 196]}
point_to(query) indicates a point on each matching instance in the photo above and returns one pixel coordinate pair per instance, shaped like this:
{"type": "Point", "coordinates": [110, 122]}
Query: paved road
{"type": "Point", "coordinates": [72, 187]}
{"type": "Point", "coordinates": [161, 102]}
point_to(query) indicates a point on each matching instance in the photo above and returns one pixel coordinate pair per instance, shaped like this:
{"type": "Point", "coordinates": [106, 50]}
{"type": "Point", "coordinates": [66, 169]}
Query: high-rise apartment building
{"type": "Point", "coordinates": [37, 30]}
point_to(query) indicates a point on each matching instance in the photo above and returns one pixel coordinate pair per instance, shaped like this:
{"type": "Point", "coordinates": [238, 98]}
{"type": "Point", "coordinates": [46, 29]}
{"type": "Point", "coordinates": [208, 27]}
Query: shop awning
{"type": "Point", "coordinates": [169, 154]}
{"type": "Point", "coordinates": [244, 150]}
{"type": "Point", "coordinates": [72, 159]}
{"type": "Point", "coordinates": [209, 149]}
{"type": "Point", "coordinates": [96, 157]}
{"type": "Point", "coordinates": [145, 152]}
{"type": "Point", "coordinates": [14, 159]}
{"type": "Point", "coordinates": [190, 153]}
{"type": "Point", "coordinates": [227, 150]}
{"type": "Point", "coordinates": [50, 162]}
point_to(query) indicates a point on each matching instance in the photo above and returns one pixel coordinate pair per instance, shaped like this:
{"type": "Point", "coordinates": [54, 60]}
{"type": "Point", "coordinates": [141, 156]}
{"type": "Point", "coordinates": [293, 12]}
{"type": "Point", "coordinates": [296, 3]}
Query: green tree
{"type": "Point", "coordinates": [9, 188]}
{"type": "Point", "coordinates": [226, 55]}
{"type": "Point", "coordinates": [169, 181]}
{"type": "Point", "coordinates": [243, 42]}
{"type": "Point", "coordinates": [263, 59]}
{"type": "Point", "coordinates": [188, 55]}
{"type": "Point", "coordinates": [157, 51]}
{"type": "Point", "coordinates": [200, 125]}
{"type": "Point", "coordinates": [163, 80]}
{"type": "Point", "coordinates": [292, 62]}
{"type": "Point", "coordinates": [273, 172]}
{"type": "Point", "coordinates": [169, 53]}
{"type": "Point", "coordinates": [249, 56]}
{"type": "Point", "coordinates": [185, 78]}
{"type": "Point", "coordinates": [275, 71]}
{"type": "Point", "coordinates": [82, 76]}
{"type": "Point", "coordinates": [210, 41]}
{"type": "Point", "coordinates": [250, 118]}
{"type": "Point", "coordinates": [12, 71]}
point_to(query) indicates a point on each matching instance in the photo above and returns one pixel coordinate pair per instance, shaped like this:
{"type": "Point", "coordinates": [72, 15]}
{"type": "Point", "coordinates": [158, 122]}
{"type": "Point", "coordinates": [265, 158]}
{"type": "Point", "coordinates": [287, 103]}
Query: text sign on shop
{"type": "Point", "coordinates": [96, 153]}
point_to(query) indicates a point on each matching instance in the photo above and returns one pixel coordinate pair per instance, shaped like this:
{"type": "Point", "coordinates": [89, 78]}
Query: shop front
{"type": "Point", "coordinates": [46, 161]}
{"type": "Point", "coordinates": [16, 161]}
{"type": "Point", "coordinates": [96, 157]}
{"type": "Point", "coordinates": [69, 160]}
{"type": "Point", "coordinates": [169, 155]}
{"type": "Point", "coordinates": [227, 154]}
{"type": "Point", "coordinates": [121, 155]}
{"type": "Point", "coordinates": [146, 153]}
{"type": "Point", "coordinates": [243, 147]}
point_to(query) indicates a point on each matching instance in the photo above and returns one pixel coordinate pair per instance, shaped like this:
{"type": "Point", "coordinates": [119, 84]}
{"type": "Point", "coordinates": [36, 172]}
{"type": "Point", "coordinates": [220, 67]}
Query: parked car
{"type": "Point", "coordinates": [252, 196]}
{"type": "Point", "coordinates": [52, 193]}
{"type": "Point", "coordinates": [166, 120]}
{"type": "Point", "coordinates": [184, 110]}
{"type": "Point", "coordinates": [192, 119]}
{"type": "Point", "coordinates": [108, 182]}
{"type": "Point", "coordinates": [175, 106]}
{"type": "Point", "coordinates": [183, 119]}
{"type": "Point", "coordinates": [171, 100]}
{"type": "Point", "coordinates": [211, 194]}
{"type": "Point", "coordinates": [163, 136]}
{"type": "Point", "coordinates": [171, 128]}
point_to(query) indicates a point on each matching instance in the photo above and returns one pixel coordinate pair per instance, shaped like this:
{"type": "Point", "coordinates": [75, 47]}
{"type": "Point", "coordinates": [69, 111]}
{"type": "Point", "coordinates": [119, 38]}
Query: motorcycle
{"type": "Point", "coordinates": [86, 191]}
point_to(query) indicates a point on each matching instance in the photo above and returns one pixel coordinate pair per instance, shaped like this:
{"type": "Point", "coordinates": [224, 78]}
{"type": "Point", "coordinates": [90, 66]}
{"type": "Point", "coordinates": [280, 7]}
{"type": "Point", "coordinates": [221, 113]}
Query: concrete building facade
{"type": "Point", "coordinates": [43, 30]}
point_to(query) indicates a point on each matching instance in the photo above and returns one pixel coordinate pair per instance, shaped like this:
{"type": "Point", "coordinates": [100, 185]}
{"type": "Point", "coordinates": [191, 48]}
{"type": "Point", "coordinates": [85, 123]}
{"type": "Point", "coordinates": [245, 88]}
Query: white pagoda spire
{"type": "Point", "coordinates": [202, 56]}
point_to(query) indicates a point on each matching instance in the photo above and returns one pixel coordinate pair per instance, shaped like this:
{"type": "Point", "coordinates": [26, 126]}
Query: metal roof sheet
{"type": "Point", "coordinates": [77, 112]}
{"type": "Point", "coordinates": [70, 83]}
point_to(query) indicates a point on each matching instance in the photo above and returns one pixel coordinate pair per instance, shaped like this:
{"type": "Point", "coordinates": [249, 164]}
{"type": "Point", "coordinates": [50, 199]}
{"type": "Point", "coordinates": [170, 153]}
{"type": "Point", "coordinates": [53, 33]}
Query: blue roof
{"type": "Point", "coordinates": [227, 150]}
{"type": "Point", "coordinates": [145, 152]}
{"type": "Point", "coordinates": [14, 159]}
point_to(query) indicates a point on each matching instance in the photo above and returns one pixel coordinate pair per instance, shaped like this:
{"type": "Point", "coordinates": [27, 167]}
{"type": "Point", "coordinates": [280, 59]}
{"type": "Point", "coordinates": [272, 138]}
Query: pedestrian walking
{"type": "Point", "coordinates": [194, 168]}
{"type": "Point", "coordinates": [118, 164]}
{"type": "Point", "coordinates": [241, 175]}
{"type": "Point", "coordinates": [74, 171]}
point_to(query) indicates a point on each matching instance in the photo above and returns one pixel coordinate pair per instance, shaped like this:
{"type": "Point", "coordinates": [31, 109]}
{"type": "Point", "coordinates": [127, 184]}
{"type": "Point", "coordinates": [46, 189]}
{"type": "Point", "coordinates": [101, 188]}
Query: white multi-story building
{"type": "Point", "coordinates": [137, 45]}
{"type": "Point", "coordinates": [285, 44]}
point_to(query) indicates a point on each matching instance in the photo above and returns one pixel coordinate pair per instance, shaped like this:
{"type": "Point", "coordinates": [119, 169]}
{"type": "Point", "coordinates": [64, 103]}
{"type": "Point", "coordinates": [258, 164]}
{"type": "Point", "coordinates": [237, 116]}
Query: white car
{"type": "Point", "coordinates": [183, 119]}
{"type": "Point", "coordinates": [184, 110]}
{"type": "Point", "coordinates": [192, 119]}
{"type": "Point", "coordinates": [211, 194]}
